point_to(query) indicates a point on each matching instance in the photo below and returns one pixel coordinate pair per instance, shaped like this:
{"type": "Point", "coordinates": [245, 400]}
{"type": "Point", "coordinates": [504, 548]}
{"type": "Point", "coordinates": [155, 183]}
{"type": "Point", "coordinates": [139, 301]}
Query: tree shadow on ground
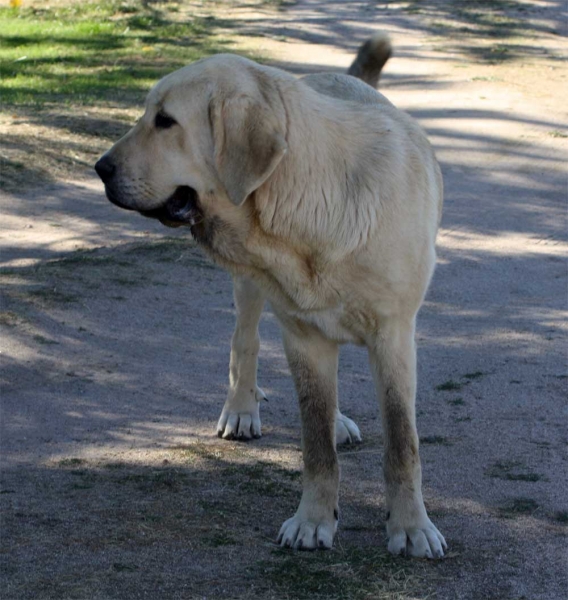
{"type": "Point", "coordinates": [119, 77]}
{"type": "Point", "coordinates": [345, 25]}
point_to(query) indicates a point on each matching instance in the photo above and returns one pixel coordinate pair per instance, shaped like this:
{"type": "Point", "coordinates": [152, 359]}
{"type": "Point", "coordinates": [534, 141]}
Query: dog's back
{"type": "Point", "coordinates": [365, 69]}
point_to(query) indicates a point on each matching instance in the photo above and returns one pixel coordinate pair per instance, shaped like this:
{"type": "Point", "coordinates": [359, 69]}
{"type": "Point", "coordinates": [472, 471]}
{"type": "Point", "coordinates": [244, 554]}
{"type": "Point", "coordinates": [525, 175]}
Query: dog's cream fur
{"type": "Point", "coordinates": [323, 197]}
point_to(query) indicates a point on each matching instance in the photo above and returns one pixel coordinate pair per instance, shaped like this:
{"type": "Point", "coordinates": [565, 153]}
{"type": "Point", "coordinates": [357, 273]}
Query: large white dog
{"type": "Point", "coordinates": [321, 196]}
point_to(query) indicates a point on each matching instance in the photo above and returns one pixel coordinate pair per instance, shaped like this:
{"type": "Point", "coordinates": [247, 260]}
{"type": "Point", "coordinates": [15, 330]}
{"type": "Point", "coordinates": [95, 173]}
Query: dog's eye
{"type": "Point", "coordinates": [163, 121]}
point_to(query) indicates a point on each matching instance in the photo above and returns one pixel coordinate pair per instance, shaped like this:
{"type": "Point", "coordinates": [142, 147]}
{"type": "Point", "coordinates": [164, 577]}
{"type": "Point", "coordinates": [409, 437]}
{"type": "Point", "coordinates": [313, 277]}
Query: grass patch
{"type": "Point", "coordinates": [122, 512]}
{"type": "Point", "coordinates": [73, 77]}
{"type": "Point", "coordinates": [260, 478]}
{"type": "Point", "coordinates": [87, 52]}
{"type": "Point", "coordinates": [519, 506]}
{"type": "Point", "coordinates": [71, 462]}
{"type": "Point", "coordinates": [462, 419]}
{"type": "Point", "coordinates": [474, 375]}
{"type": "Point", "coordinates": [438, 440]}
{"type": "Point", "coordinates": [123, 567]}
{"type": "Point", "coordinates": [115, 466]}
{"type": "Point", "coordinates": [561, 516]}
{"type": "Point", "coordinates": [155, 480]}
{"type": "Point", "coordinates": [77, 266]}
{"type": "Point", "coordinates": [456, 402]}
{"type": "Point", "coordinates": [15, 173]}
{"type": "Point", "coordinates": [181, 250]}
{"type": "Point", "coordinates": [220, 538]}
{"type": "Point", "coordinates": [78, 276]}
{"type": "Point", "coordinates": [484, 78]}
{"type": "Point", "coordinates": [195, 452]}
{"type": "Point", "coordinates": [512, 471]}
{"type": "Point", "coordinates": [52, 296]}
{"type": "Point", "coordinates": [126, 281]}
{"type": "Point", "coordinates": [43, 340]}
{"type": "Point", "coordinates": [449, 386]}
{"type": "Point", "coordinates": [9, 318]}
{"type": "Point", "coordinates": [90, 258]}
{"type": "Point", "coordinates": [342, 573]}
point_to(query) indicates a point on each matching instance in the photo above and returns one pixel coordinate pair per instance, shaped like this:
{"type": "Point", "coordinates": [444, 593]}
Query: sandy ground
{"type": "Point", "coordinates": [115, 342]}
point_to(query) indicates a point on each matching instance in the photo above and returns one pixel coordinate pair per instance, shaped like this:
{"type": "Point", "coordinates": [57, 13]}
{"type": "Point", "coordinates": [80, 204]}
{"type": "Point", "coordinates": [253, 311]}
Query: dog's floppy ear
{"type": "Point", "coordinates": [249, 141]}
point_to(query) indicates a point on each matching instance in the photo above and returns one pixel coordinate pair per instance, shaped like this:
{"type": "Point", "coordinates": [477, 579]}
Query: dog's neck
{"type": "Point", "coordinates": [300, 228]}
{"type": "Point", "coordinates": [296, 227]}
{"type": "Point", "coordinates": [304, 201]}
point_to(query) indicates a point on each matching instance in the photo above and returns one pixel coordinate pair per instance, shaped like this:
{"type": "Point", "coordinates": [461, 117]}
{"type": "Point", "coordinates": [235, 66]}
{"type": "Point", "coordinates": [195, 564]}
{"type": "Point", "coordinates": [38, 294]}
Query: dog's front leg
{"type": "Point", "coordinates": [393, 362]}
{"type": "Point", "coordinates": [240, 418]}
{"type": "Point", "coordinates": [313, 363]}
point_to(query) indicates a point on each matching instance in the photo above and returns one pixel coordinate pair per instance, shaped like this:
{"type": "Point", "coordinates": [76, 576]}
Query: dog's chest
{"type": "Point", "coordinates": [297, 287]}
{"type": "Point", "coordinates": [317, 307]}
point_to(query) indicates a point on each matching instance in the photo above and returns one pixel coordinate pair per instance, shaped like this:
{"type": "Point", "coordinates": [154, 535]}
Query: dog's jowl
{"type": "Point", "coordinates": [318, 194]}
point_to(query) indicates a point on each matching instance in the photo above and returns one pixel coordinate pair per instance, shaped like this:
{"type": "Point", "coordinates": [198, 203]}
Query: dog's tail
{"type": "Point", "coordinates": [371, 59]}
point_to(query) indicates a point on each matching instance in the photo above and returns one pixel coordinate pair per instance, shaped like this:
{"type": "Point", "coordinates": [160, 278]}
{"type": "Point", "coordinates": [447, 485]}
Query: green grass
{"type": "Point", "coordinates": [9, 318]}
{"type": "Point", "coordinates": [71, 462]}
{"type": "Point", "coordinates": [170, 249]}
{"type": "Point", "coordinates": [449, 386]}
{"type": "Point", "coordinates": [90, 258]}
{"type": "Point", "coordinates": [155, 480]}
{"type": "Point", "coordinates": [40, 339]}
{"type": "Point", "coordinates": [74, 277]}
{"type": "Point", "coordinates": [473, 375]}
{"type": "Point", "coordinates": [109, 51]}
{"type": "Point", "coordinates": [343, 573]}
{"type": "Point", "coordinates": [220, 538]}
{"type": "Point", "coordinates": [194, 500]}
{"type": "Point", "coordinates": [52, 296]}
{"type": "Point", "coordinates": [261, 478]}
{"type": "Point", "coordinates": [456, 402]}
{"type": "Point", "coordinates": [462, 419]}
{"type": "Point", "coordinates": [436, 440]}
{"type": "Point", "coordinates": [123, 567]}
{"type": "Point", "coordinates": [511, 470]}
{"type": "Point", "coordinates": [519, 506]}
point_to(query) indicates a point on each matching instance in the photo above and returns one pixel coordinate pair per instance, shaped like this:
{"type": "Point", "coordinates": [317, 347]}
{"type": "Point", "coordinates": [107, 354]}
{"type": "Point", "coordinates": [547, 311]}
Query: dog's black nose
{"type": "Point", "coordinates": [105, 168]}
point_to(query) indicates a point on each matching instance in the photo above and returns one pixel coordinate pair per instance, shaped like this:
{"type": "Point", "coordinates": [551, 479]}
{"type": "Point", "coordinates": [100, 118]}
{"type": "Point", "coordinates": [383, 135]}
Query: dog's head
{"type": "Point", "coordinates": [212, 133]}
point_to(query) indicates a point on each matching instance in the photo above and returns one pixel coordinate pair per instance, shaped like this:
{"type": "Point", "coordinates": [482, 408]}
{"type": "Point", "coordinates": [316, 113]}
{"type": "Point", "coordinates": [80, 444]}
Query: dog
{"type": "Point", "coordinates": [318, 194]}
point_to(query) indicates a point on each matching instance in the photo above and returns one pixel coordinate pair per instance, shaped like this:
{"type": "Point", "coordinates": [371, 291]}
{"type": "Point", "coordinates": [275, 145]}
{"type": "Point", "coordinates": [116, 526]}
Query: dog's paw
{"type": "Point", "coordinates": [346, 430]}
{"type": "Point", "coordinates": [240, 418]}
{"type": "Point", "coordinates": [307, 534]}
{"type": "Point", "coordinates": [420, 539]}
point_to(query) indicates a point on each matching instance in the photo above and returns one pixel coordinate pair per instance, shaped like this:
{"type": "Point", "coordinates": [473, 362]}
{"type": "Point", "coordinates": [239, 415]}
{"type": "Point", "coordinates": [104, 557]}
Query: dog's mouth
{"type": "Point", "coordinates": [181, 208]}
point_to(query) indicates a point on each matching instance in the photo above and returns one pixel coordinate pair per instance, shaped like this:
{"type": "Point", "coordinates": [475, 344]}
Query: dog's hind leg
{"type": "Point", "coordinates": [313, 363]}
{"type": "Point", "coordinates": [240, 417]}
{"type": "Point", "coordinates": [393, 362]}
{"type": "Point", "coordinates": [346, 430]}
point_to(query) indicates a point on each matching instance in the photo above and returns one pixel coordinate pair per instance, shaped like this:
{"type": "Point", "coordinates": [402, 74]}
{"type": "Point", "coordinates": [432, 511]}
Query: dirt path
{"type": "Point", "coordinates": [115, 342]}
